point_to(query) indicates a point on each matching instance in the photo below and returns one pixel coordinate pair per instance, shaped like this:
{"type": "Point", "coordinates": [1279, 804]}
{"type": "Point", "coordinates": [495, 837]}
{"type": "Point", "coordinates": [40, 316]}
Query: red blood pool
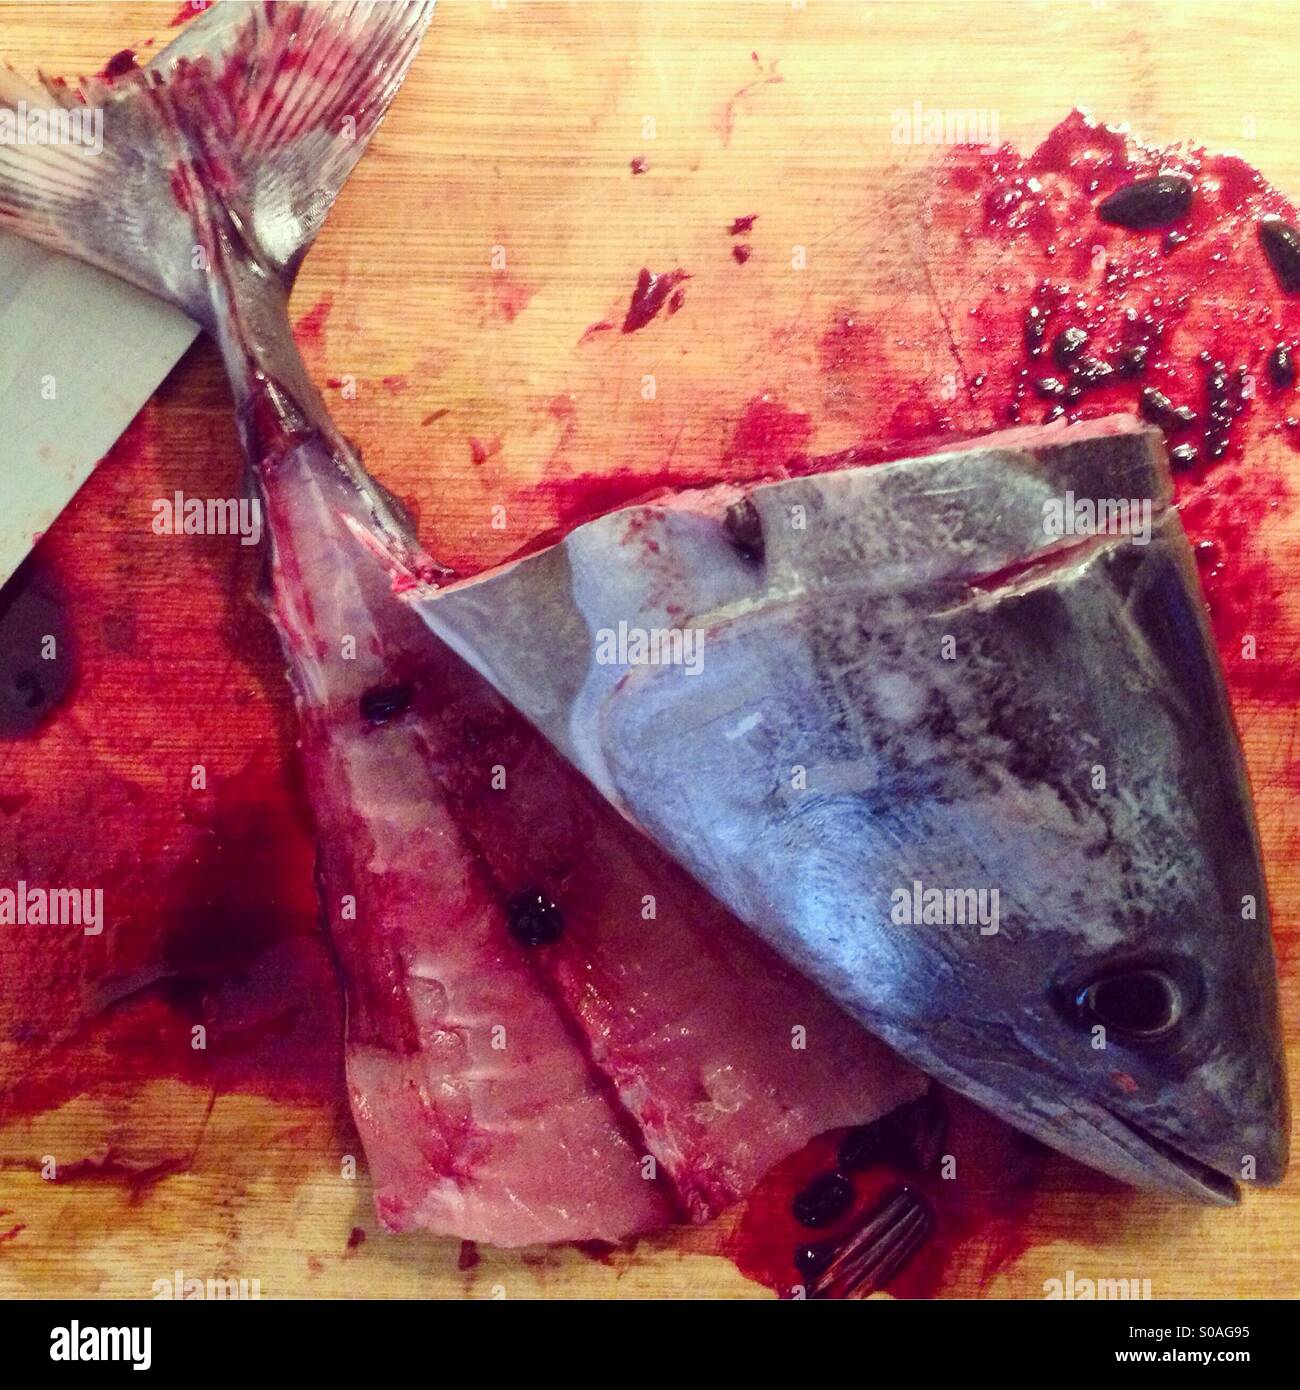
{"type": "Point", "coordinates": [1197, 331]}
{"type": "Point", "coordinates": [770, 434]}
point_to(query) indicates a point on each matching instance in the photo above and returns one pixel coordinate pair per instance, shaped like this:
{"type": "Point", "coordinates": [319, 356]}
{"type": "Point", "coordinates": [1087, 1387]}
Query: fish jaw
{"type": "Point", "coordinates": [1085, 1131]}
{"type": "Point", "coordinates": [1154, 1150]}
{"type": "Point", "coordinates": [826, 756]}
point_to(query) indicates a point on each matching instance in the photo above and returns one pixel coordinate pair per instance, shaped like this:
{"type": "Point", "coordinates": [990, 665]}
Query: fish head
{"type": "Point", "coordinates": [1034, 871]}
{"type": "Point", "coordinates": [980, 783]}
{"type": "Point", "coordinates": [1109, 985]}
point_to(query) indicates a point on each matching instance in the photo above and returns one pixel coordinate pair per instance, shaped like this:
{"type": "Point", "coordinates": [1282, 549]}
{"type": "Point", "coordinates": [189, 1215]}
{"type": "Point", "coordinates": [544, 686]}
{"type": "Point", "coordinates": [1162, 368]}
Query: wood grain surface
{"type": "Point", "coordinates": [476, 387]}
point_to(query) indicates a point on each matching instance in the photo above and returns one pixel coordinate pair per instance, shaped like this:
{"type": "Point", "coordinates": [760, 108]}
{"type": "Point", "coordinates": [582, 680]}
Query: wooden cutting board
{"type": "Point", "coordinates": [495, 221]}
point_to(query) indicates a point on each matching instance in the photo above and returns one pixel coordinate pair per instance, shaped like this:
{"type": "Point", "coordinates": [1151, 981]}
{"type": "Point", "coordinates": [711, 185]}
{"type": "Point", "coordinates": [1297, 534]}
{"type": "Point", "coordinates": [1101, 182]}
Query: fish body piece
{"type": "Point", "coordinates": [654, 1061]}
{"type": "Point", "coordinates": [447, 1032]}
{"type": "Point", "coordinates": [508, 1093]}
{"type": "Point", "coordinates": [880, 681]}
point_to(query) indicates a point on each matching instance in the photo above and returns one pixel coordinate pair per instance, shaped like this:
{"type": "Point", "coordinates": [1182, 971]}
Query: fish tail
{"type": "Point", "coordinates": [204, 178]}
{"type": "Point", "coordinates": [253, 122]}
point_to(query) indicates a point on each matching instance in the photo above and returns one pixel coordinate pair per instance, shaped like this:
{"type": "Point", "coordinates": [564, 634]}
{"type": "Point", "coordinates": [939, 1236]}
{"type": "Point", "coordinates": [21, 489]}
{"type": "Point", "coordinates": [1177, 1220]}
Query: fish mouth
{"type": "Point", "coordinates": [1194, 1177]}
{"type": "Point", "coordinates": [1098, 1136]}
{"type": "Point", "coordinates": [1095, 1135]}
{"type": "Point", "coordinates": [1091, 1133]}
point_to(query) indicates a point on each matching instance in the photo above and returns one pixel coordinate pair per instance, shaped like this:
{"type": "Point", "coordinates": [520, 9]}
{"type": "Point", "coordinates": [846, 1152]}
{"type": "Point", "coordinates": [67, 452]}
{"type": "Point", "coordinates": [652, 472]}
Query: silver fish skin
{"type": "Point", "coordinates": [901, 678]}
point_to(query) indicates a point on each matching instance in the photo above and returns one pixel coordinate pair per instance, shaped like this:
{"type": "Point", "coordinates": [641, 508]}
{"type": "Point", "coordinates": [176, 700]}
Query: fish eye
{"type": "Point", "coordinates": [1139, 1003]}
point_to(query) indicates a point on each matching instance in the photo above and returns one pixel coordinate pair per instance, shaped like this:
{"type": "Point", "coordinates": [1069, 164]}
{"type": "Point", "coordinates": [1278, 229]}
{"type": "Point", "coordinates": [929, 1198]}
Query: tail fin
{"type": "Point", "coordinates": [267, 106]}
{"type": "Point", "coordinates": [213, 172]}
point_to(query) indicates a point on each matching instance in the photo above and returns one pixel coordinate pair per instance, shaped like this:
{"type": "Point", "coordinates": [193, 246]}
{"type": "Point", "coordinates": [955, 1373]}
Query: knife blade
{"type": "Point", "coordinates": [83, 352]}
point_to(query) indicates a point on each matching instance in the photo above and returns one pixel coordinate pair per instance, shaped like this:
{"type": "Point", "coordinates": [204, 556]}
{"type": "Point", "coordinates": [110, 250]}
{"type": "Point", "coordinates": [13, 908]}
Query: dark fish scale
{"type": "Point", "coordinates": [1281, 366]}
{"type": "Point", "coordinates": [1183, 457]}
{"type": "Point", "coordinates": [1225, 399]}
{"type": "Point", "coordinates": [1155, 405]}
{"type": "Point", "coordinates": [1067, 345]}
{"type": "Point", "coordinates": [1090, 372]}
{"type": "Point", "coordinates": [1132, 361]}
{"type": "Point", "coordinates": [1160, 410]}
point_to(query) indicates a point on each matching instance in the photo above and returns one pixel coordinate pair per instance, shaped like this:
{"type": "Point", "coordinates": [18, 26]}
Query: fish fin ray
{"type": "Point", "coordinates": [276, 102]}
